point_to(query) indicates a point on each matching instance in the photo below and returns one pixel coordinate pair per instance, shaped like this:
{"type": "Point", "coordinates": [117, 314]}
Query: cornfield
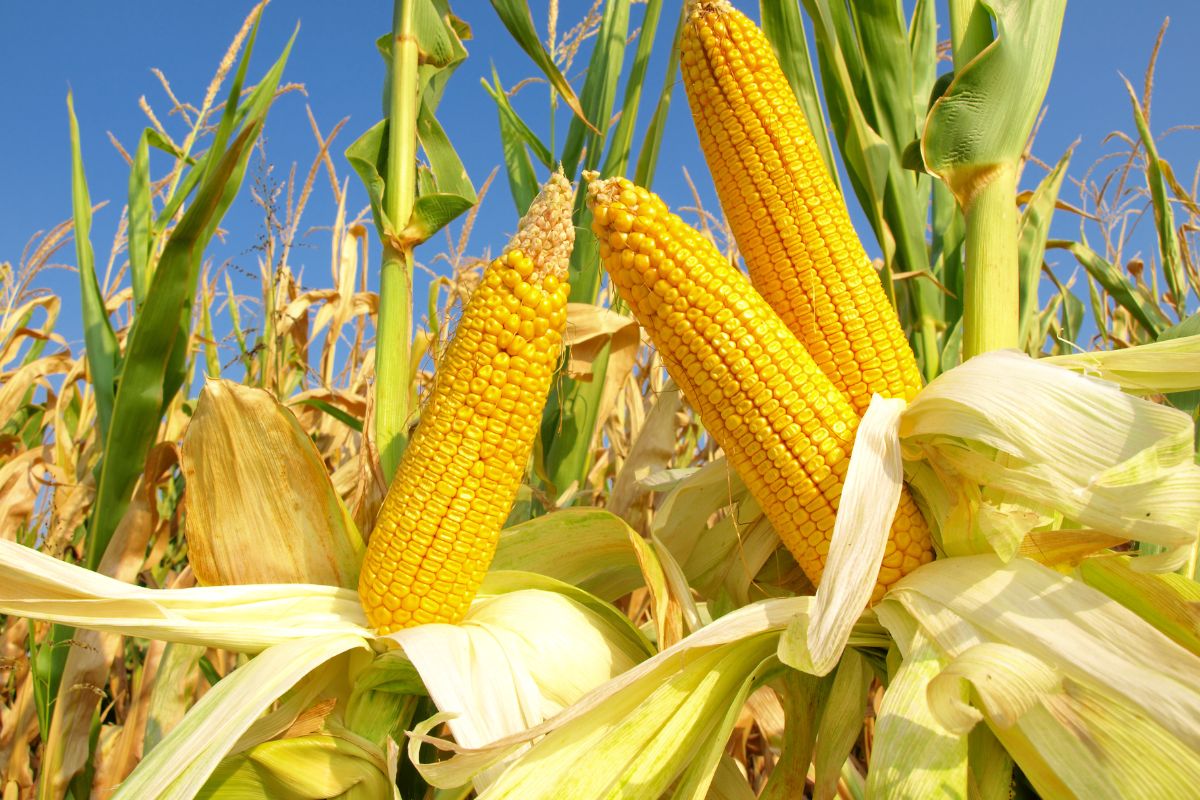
{"type": "Point", "coordinates": [659, 498]}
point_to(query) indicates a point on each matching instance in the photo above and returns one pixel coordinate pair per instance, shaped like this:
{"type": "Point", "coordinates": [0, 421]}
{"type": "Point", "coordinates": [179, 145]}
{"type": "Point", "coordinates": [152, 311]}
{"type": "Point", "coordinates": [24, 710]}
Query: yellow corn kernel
{"type": "Point", "coordinates": [439, 524]}
{"type": "Point", "coordinates": [784, 426]}
{"type": "Point", "coordinates": [789, 219]}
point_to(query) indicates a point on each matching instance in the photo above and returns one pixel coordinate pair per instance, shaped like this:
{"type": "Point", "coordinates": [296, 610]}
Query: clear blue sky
{"type": "Point", "coordinates": [104, 52]}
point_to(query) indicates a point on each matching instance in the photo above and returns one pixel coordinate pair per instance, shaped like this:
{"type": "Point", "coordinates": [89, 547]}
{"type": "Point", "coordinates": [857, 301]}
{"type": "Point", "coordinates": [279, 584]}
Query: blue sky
{"type": "Point", "coordinates": [105, 57]}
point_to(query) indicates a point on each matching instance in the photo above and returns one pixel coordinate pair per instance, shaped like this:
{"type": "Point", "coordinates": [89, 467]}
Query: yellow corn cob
{"type": "Point", "coordinates": [787, 215]}
{"type": "Point", "coordinates": [439, 524]}
{"type": "Point", "coordinates": [784, 426]}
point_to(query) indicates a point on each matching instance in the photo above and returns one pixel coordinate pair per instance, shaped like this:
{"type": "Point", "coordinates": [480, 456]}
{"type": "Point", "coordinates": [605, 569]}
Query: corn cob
{"type": "Point", "coordinates": [784, 426]}
{"type": "Point", "coordinates": [789, 219]}
{"type": "Point", "coordinates": [437, 530]}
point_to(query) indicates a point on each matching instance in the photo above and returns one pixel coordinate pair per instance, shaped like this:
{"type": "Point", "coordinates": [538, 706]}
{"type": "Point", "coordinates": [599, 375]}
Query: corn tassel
{"type": "Point", "coordinates": [789, 219]}
{"type": "Point", "coordinates": [784, 426]}
{"type": "Point", "coordinates": [437, 530]}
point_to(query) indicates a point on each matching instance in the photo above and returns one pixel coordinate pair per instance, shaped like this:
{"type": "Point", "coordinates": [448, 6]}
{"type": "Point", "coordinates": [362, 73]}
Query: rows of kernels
{"type": "Point", "coordinates": [789, 219]}
{"type": "Point", "coordinates": [784, 426]}
{"type": "Point", "coordinates": [438, 527]}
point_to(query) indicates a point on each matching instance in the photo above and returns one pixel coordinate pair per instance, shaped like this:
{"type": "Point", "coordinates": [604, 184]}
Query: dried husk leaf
{"type": "Point", "coordinates": [261, 508]}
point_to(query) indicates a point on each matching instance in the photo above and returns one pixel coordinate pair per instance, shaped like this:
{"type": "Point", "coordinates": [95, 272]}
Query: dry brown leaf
{"type": "Point", "coordinates": [125, 749]}
{"type": "Point", "coordinates": [652, 451]}
{"type": "Point", "coordinates": [20, 483]}
{"type": "Point", "coordinates": [18, 728]}
{"type": "Point", "coordinates": [256, 484]}
{"type": "Point", "coordinates": [1066, 548]}
{"type": "Point", "coordinates": [14, 385]}
{"type": "Point", "coordinates": [92, 653]}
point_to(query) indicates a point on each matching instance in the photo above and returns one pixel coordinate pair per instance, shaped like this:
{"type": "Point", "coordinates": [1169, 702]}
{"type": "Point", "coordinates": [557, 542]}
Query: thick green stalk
{"type": "Point", "coordinates": [992, 301]}
{"type": "Point", "coordinates": [393, 344]}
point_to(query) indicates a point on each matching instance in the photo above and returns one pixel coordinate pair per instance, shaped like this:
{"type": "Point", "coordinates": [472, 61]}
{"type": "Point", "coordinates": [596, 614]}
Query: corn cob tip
{"type": "Point", "coordinates": [546, 234]}
{"type": "Point", "coordinates": [695, 8]}
{"type": "Point", "coordinates": [603, 192]}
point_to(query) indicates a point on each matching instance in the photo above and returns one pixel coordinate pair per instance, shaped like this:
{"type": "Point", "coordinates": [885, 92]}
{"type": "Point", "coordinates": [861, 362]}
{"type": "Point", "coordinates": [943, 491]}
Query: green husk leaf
{"type": "Point", "coordinates": [245, 619]}
{"type": "Point", "coordinates": [1167, 366]}
{"type": "Point", "coordinates": [182, 762]}
{"type": "Point", "coordinates": [641, 728]}
{"type": "Point", "coordinates": [1044, 441]}
{"type": "Point", "coordinates": [311, 767]}
{"type": "Point", "coordinates": [860, 533]}
{"type": "Point", "coordinates": [1169, 602]}
{"type": "Point", "coordinates": [1090, 700]}
{"type": "Point", "coordinates": [914, 755]}
{"type": "Point", "coordinates": [585, 547]}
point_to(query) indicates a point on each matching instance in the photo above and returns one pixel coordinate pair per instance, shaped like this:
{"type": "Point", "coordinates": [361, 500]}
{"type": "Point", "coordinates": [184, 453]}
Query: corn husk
{"type": "Point", "coordinates": [1089, 699]}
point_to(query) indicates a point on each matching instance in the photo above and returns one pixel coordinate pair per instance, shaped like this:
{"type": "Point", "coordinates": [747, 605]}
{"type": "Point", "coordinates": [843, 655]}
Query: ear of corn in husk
{"type": "Point", "coordinates": [790, 221]}
{"type": "Point", "coordinates": [784, 426]}
{"type": "Point", "coordinates": [437, 529]}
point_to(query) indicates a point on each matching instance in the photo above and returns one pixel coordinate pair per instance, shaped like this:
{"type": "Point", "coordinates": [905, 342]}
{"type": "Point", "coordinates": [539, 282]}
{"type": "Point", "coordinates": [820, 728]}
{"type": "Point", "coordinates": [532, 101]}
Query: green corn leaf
{"type": "Point", "coordinates": [443, 188]}
{"type": "Point", "coordinates": [156, 140]}
{"type": "Point", "coordinates": [449, 192]}
{"type": "Point", "coordinates": [440, 35]}
{"type": "Point", "coordinates": [873, 124]}
{"type": "Point", "coordinates": [368, 158]}
{"type": "Point", "coordinates": [652, 141]}
{"type": "Point", "coordinates": [599, 94]}
{"type": "Point", "coordinates": [1164, 217]}
{"type": "Point", "coordinates": [803, 699]}
{"type": "Point", "coordinates": [141, 220]}
{"type": "Point", "coordinates": [923, 43]}
{"type": "Point", "coordinates": [212, 359]}
{"type": "Point", "coordinates": [1133, 299]}
{"type": "Point", "coordinates": [1070, 316]}
{"type": "Point", "coordinates": [47, 662]}
{"type": "Point", "coordinates": [103, 352]}
{"type": "Point", "coordinates": [156, 350]}
{"type": "Point", "coordinates": [349, 420]}
{"type": "Point", "coordinates": [517, 140]}
{"type": "Point", "coordinates": [141, 397]}
{"type": "Point", "coordinates": [252, 112]}
{"type": "Point", "coordinates": [520, 127]}
{"type": "Point", "coordinates": [784, 28]}
{"type": "Point", "coordinates": [621, 140]}
{"type": "Point", "coordinates": [888, 81]}
{"type": "Point", "coordinates": [1034, 230]}
{"type": "Point", "coordinates": [517, 19]}
{"type": "Point", "coordinates": [571, 415]}
{"type": "Point", "coordinates": [522, 180]}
